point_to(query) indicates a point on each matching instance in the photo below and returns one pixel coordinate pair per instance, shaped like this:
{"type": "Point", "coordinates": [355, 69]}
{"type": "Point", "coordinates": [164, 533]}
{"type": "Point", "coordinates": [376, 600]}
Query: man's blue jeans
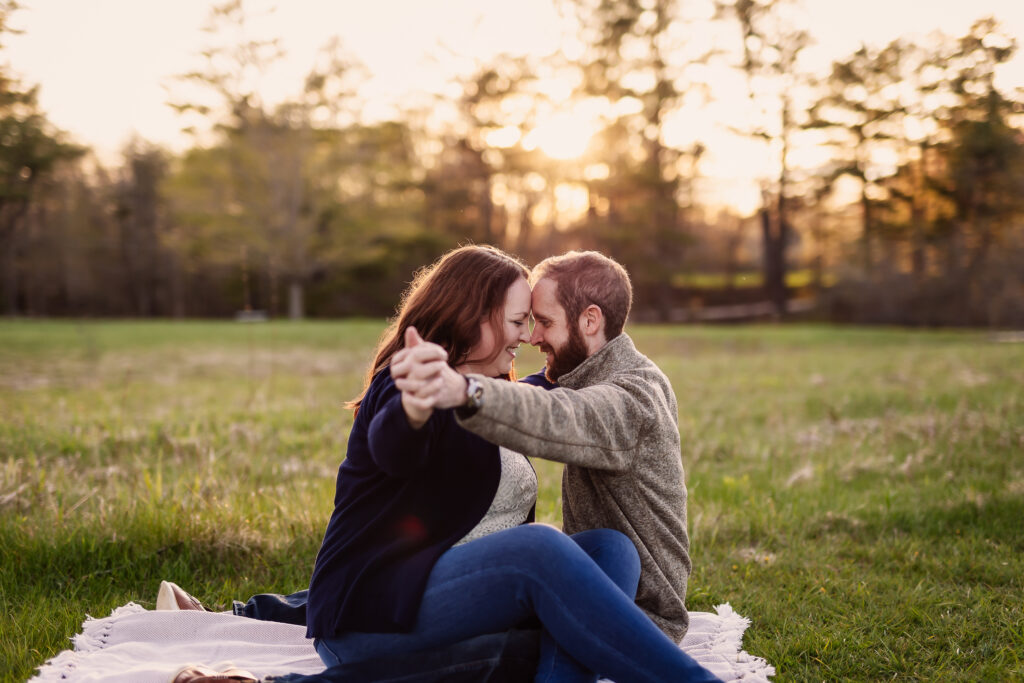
{"type": "Point", "coordinates": [286, 609]}
{"type": "Point", "coordinates": [497, 582]}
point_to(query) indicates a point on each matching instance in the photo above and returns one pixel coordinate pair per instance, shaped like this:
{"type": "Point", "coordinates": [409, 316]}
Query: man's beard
{"type": "Point", "coordinates": [567, 358]}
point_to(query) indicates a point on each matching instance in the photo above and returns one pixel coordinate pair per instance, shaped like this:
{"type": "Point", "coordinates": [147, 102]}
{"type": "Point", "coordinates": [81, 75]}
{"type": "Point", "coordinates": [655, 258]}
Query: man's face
{"type": "Point", "coordinates": [553, 333]}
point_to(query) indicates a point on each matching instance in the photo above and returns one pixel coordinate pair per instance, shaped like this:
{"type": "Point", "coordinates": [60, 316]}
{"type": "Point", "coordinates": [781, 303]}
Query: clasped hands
{"type": "Point", "coordinates": [421, 372]}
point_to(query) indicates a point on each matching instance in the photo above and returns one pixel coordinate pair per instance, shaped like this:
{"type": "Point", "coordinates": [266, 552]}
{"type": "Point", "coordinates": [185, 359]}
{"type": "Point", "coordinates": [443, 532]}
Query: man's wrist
{"type": "Point", "coordinates": [474, 397]}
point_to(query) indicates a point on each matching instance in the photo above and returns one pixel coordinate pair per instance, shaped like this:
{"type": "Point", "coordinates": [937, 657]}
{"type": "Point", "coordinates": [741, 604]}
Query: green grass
{"type": "Point", "coordinates": [858, 493]}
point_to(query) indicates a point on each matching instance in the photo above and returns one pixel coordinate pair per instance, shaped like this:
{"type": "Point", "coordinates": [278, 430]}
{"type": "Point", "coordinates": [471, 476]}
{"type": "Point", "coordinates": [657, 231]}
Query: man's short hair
{"type": "Point", "coordinates": [588, 277]}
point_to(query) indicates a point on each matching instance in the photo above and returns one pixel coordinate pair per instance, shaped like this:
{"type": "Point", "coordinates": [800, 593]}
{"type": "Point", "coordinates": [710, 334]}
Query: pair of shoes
{"type": "Point", "coordinates": [172, 597]}
{"type": "Point", "coordinates": [197, 673]}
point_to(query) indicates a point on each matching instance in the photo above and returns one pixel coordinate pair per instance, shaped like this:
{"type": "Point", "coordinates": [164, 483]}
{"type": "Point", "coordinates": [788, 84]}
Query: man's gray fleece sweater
{"type": "Point", "coordinates": [613, 421]}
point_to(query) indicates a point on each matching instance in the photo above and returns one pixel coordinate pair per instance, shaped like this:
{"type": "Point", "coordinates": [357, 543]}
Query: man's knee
{"type": "Point", "coordinates": [615, 553]}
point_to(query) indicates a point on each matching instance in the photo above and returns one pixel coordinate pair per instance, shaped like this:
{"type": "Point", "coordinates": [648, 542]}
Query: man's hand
{"type": "Point", "coordinates": [421, 371]}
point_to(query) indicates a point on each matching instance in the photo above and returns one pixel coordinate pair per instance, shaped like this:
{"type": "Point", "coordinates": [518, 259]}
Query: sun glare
{"type": "Point", "coordinates": [504, 137]}
{"type": "Point", "coordinates": [563, 136]}
{"type": "Point", "coordinates": [571, 203]}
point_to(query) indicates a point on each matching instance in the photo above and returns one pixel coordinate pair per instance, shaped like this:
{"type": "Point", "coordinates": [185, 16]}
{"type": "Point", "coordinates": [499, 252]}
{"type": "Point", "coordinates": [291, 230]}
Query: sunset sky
{"type": "Point", "coordinates": [106, 66]}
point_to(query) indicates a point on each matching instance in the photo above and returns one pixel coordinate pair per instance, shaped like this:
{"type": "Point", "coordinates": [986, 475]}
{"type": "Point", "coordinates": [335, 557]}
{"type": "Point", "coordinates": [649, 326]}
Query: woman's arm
{"type": "Point", "coordinates": [400, 444]}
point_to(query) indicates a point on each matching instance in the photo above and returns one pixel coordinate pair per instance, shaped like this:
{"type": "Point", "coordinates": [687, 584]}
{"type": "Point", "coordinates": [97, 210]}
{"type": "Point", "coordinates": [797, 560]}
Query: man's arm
{"type": "Point", "coordinates": [596, 427]}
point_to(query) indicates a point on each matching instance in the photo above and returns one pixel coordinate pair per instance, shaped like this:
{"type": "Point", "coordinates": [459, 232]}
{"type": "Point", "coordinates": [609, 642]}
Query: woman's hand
{"type": "Point", "coordinates": [421, 369]}
{"type": "Point", "coordinates": [416, 370]}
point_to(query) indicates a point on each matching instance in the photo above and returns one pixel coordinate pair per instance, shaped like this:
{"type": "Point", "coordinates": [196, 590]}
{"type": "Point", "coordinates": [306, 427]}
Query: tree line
{"type": "Point", "coordinates": [305, 208]}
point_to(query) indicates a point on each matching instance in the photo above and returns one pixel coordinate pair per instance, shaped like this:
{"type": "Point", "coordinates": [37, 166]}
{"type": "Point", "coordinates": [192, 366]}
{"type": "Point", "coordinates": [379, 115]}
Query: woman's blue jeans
{"type": "Point", "coordinates": [495, 583]}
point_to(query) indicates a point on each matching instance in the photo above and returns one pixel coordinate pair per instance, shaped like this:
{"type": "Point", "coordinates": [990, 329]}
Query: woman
{"type": "Point", "coordinates": [427, 544]}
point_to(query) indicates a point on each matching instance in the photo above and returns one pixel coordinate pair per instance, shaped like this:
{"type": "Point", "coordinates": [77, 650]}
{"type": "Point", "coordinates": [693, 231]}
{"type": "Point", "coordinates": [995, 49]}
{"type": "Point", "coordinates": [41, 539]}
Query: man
{"type": "Point", "coordinates": [612, 420]}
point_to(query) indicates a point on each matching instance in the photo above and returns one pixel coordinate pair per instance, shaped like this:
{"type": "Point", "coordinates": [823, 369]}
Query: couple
{"type": "Point", "coordinates": [430, 544]}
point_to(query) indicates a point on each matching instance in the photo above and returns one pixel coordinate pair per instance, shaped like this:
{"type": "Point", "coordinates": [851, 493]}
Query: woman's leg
{"type": "Point", "coordinates": [495, 582]}
{"type": "Point", "coordinates": [617, 557]}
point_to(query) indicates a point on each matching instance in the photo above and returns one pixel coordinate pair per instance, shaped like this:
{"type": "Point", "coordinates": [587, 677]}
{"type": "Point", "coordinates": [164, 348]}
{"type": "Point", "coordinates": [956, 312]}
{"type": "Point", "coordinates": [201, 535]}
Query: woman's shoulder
{"type": "Point", "coordinates": [380, 389]}
{"type": "Point", "coordinates": [382, 379]}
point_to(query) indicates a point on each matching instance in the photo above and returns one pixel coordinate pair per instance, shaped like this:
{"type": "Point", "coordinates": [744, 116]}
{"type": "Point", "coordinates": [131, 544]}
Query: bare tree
{"type": "Point", "coordinates": [771, 47]}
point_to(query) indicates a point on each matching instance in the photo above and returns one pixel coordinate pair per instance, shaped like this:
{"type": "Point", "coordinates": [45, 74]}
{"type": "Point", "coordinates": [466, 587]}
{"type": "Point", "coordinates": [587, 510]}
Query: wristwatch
{"type": "Point", "coordinates": [474, 396]}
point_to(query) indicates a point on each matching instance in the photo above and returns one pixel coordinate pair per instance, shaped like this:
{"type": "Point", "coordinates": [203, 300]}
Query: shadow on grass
{"type": "Point", "coordinates": [138, 556]}
{"type": "Point", "coordinates": [996, 518]}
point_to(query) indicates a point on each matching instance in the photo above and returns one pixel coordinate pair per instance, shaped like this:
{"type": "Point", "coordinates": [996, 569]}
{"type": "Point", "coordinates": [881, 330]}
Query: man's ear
{"type": "Point", "coordinates": [591, 320]}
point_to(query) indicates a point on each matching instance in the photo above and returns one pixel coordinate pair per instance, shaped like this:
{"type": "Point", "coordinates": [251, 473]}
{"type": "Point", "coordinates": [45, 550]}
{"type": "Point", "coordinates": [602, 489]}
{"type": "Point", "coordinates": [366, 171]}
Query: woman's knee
{"type": "Point", "coordinates": [536, 546]}
{"type": "Point", "coordinates": [545, 537]}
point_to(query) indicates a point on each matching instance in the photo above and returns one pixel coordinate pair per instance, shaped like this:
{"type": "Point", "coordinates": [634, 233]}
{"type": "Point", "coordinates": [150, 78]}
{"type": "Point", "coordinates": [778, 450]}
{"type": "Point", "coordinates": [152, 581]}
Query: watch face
{"type": "Point", "coordinates": [474, 393]}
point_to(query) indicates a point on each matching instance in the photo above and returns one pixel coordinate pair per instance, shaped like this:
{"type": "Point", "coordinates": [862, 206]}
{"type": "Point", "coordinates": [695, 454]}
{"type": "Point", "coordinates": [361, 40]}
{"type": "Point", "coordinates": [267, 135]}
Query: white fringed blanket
{"type": "Point", "coordinates": [135, 645]}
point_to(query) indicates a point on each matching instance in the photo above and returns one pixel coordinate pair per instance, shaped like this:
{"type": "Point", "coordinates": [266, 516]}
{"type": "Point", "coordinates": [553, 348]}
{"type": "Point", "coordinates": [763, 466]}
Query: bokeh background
{"type": "Point", "coordinates": [743, 159]}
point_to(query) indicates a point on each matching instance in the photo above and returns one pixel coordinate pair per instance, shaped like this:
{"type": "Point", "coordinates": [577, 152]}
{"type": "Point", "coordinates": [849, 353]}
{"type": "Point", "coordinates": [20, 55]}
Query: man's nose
{"type": "Point", "coordinates": [536, 336]}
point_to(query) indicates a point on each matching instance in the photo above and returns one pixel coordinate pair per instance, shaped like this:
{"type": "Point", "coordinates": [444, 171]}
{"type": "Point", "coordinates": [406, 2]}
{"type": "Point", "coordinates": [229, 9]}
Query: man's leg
{"type": "Point", "coordinates": [616, 555]}
{"type": "Point", "coordinates": [494, 583]}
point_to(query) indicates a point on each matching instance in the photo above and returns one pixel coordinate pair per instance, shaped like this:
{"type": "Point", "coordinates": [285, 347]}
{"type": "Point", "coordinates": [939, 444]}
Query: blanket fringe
{"type": "Point", "coordinates": [732, 630]}
{"type": "Point", "coordinates": [57, 669]}
{"type": "Point", "coordinates": [94, 635]}
{"type": "Point", "coordinates": [95, 632]}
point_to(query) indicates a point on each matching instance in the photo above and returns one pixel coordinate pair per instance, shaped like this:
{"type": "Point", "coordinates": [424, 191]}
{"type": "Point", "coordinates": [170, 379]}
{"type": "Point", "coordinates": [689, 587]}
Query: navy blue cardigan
{"type": "Point", "coordinates": [403, 497]}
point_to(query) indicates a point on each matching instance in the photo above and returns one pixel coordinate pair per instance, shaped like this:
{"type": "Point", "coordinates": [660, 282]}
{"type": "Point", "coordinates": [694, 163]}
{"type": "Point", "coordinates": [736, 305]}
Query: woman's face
{"type": "Point", "coordinates": [514, 329]}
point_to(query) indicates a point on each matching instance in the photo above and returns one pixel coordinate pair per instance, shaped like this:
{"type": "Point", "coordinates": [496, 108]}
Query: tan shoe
{"type": "Point", "coordinates": [172, 597]}
{"type": "Point", "coordinates": [197, 673]}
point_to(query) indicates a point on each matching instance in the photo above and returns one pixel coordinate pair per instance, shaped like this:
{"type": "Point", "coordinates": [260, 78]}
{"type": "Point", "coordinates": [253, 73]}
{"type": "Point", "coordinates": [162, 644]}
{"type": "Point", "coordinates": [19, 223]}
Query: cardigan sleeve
{"type": "Point", "coordinates": [395, 447]}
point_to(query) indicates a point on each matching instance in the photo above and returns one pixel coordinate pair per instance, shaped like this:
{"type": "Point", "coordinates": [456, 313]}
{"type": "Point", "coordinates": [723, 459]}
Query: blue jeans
{"type": "Point", "coordinates": [497, 582]}
{"type": "Point", "coordinates": [511, 656]}
{"type": "Point", "coordinates": [287, 609]}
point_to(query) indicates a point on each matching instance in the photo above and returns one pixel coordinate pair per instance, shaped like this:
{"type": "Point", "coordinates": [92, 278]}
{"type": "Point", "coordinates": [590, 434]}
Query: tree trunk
{"type": "Point", "coordinates": [818, 264]}
{"type": "Point", "coordinates": [770, 262]}
{"type": "Point", "coordinates": [486, 212]}
{"type": "Point", "coordinates": [296, 310]}
{"type": "Point", "coordinates": [524, 240]}
{"type": "Point", "coordinates": [177, 289]}
{"type": "Point", "coordinates": [9, 227]}
{"type": "Point", "coordinates": [917, 257]}
{"type": "Point", "coordinates": [777, 240]}
{"type": "Point", "coordinates": [867, 257]}
{"type": "Point", "coordinates": [10, 279]}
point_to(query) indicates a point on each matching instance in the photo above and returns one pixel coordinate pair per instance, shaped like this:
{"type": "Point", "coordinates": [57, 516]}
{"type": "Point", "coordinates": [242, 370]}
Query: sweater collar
{"type": "Point", "coordinates": [607, 360]}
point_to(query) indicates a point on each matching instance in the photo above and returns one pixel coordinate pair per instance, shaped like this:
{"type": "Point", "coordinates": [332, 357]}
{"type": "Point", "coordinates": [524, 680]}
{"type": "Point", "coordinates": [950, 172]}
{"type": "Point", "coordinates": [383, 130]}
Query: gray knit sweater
{"type": "Point", "coordinates": [613, 421]}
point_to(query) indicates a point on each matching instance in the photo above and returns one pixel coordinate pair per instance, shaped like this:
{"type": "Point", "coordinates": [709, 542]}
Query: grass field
{"type": "Point", "coordinates": [859, 494]}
